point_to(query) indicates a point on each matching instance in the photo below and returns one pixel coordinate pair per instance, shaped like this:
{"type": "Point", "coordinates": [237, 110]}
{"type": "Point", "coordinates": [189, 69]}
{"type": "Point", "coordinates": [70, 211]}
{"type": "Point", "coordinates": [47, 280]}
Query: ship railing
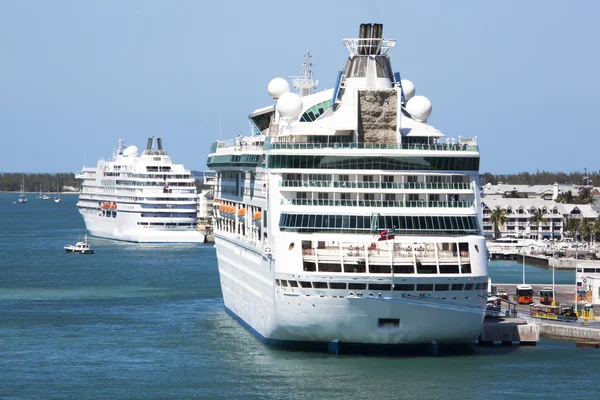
{"type": "Point", "coordinates": [378, 185]}
{"type": "Point", "coordinates": [370, 146]}
{"type": "Point", "coordinates": [377, 203]}
{"type": "Point", "coordinates": [381, 254]}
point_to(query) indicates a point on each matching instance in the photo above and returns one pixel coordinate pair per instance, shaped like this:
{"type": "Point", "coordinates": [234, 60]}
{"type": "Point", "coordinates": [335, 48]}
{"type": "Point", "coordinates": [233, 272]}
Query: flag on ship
{"type": "Point", "coordinates": [388, 234]}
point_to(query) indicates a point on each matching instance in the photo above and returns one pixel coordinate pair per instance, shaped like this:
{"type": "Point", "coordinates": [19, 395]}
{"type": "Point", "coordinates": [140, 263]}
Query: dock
{"type": "Point", "coordinates": [509, 331]}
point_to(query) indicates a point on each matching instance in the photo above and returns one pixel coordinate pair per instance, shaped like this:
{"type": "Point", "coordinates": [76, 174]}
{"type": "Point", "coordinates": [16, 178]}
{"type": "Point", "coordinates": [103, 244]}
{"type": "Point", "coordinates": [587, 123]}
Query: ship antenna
{"type": "Point", "coordinates": [306, 82]}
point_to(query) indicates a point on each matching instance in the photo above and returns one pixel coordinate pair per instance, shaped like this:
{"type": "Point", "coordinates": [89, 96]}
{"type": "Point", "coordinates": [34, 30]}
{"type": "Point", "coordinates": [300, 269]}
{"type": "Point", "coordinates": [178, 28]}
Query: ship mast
{"type": "Point", "coordinates": [305, 83]}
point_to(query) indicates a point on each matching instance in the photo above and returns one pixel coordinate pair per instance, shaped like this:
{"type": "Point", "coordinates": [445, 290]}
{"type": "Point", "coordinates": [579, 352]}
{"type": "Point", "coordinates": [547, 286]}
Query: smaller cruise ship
{"type": "Point", "coordinates": [145, 199]}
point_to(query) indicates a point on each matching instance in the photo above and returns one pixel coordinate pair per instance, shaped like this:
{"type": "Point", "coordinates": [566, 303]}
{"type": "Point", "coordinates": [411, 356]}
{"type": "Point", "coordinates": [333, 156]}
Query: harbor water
{"type": "Point", "coordinates": [147, 322]}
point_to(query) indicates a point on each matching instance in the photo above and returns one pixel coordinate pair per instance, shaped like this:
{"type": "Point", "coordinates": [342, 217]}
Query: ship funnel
{"type": "Point", "coordinates": [363, 34]}
{"type": "Point", "coordinates": [377, 35]}
{"type": "Point", "coordinates": [149, 145]}
{"type": "Point", "coordinates": [159, 143]}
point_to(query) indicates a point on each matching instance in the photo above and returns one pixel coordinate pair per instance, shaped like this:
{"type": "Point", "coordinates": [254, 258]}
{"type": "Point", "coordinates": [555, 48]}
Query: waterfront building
{"type": "Point", "coordinates": [520, 210]}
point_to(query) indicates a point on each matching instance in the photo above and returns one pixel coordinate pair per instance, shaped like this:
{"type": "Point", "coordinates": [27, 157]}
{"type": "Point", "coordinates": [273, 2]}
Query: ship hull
{"type": "Point", "coordinates": [124, 228]}
{"type": "Point", "coordinates": [336, 322]}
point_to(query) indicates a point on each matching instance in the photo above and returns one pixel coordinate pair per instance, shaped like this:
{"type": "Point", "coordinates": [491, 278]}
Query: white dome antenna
{"type": "Point", "coordinates": [278, 87]}
{"type": "Point", "coordinates": [289, 105]}
{"type": "Point", "coordinates": [130, 151]}
{"type": "Point", "coordinates": [408, 88]}
{"type": "Point", "coordinates": [419, 107]}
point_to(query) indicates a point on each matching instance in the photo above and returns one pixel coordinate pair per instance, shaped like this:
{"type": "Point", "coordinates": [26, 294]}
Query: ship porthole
{"type": "Point", "coordinates": [291, 247]}
{"type": "Point", "coordinates": [476, 248]}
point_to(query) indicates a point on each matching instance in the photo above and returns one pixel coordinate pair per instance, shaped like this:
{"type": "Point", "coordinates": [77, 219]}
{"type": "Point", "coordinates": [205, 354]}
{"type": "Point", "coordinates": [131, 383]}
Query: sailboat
{"type": "Point", "coordinates": [22, 198]}
{"type": "Point", "coordinates": [46, 196]}
{"type": "Point", "coordinates": [57, 198]}
{"type": "Point", "coordinates": [40, 195]}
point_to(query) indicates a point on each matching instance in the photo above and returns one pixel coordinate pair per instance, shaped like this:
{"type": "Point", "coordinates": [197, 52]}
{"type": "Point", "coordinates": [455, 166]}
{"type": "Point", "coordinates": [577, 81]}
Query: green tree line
{"type": "Point", "coordinates": [539, 178]}
{"type": "Point", "coordinates": [33, 182]}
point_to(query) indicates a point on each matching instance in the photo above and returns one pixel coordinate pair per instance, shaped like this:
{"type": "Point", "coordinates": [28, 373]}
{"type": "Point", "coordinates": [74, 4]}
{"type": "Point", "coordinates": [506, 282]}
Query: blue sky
{"type": "Point", "coordinates": [522, 76]}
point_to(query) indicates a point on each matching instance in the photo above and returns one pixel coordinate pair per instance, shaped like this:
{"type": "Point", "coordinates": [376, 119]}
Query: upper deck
{"type": "Point", "coordinates": [370, 112]}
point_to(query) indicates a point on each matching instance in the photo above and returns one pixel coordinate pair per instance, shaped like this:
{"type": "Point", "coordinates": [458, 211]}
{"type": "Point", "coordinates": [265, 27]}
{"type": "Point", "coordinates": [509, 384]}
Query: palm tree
{"type": "Point", "coordinates": [498, 218]}
{"type": "Point", "coordinates": [537, 218]}
{"type": "Point", "coordinates": [585, 229]}
{"type": "Point", "coordinates": [585, 196]}
{"type": "Point", "coordinates": [565, 197]}
{"type": "Point", "coordinates": [571, 226]}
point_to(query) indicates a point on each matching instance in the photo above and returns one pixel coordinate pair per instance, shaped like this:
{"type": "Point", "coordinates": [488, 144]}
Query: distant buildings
{"type": "Point", "coordinates": [521, 202]}
{"type": "Point", "coordinates": [206, 202]}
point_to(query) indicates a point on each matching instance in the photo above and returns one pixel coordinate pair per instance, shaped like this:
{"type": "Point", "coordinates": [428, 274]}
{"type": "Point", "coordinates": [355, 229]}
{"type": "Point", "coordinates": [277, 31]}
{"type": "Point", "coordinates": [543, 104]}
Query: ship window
{"type": "Point", "coordinates": [320, 285]}
{"type": "Point", "coordinates": [388, 323]}
{"type": "Point", "coordinates": [306, 285]}
{"type": "Point", "coordinates": [426, 268]}
{"type": "Point", "coordinates": [357, 286]}
{"type": "Point", "coordinates": [315, 111]}
{"type": "Point", "coordinates": [440, 287]}
{"type": "Point", "coordinates": [457, 286]}
{"type": "Point", "coordinates": [337, 285]}
{"type": "Point", "coordinates": [355, 268]}
{"type": "Point", "coordinates": [448, 269]}
{"type": "Point", "coordinates": [368, 163]}
{"type": "Point", "coordinates": [425, 286]}
{"type": "Point", "coordinates": [466, 268]}
{"type": "Point", "coordinates": [404, 269]}
{"type": "Point", "coordinates": [379, 286]}
{"type": "Point", "coordinates": [379, 269]}
{"type": "Point", "coordinates": [327, 267]}
{"type": "Point", "coordinates": [468, 286]}
{"type": "Point", "coordinates": [478, 286]}
{"type": "Point", "coordinates": [360, 223]}
{"type": "Point", "coordinates": [404, 287]}
{"type": "Point", "coordinates": [293, 283]}
{"type": "Point", "coordinates": [309, 266]}
{"type": "Point", "coordinates": [284, 283]}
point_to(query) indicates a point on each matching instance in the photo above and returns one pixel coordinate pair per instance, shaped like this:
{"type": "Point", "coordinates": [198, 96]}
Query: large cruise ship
{"type": "Point", "coordinates": [145, 199]}
{"type": "Point", "coordinates": [345, 220]}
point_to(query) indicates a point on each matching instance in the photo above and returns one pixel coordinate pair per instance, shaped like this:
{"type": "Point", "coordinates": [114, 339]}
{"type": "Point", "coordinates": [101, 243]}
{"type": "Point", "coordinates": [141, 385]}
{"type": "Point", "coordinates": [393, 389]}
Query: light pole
{"type": "Point", "coordinates": [523, 253]}
{"type": "Point", "coordinates": [553, 293]}
{"type": "Point", "coordinates": [576, 247]}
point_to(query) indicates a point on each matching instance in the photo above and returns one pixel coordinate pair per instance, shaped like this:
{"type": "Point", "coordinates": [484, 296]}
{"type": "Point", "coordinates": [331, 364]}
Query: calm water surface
{"type": "Point", "coordinates": [147, 322]}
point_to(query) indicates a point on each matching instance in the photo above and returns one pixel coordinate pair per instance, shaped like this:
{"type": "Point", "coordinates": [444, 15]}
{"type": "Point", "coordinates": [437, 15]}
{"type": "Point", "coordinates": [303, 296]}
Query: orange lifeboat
{"type": "Point", "coordinates": [113, 206]}
{"type": "Point", "coordinates": [257, 218]}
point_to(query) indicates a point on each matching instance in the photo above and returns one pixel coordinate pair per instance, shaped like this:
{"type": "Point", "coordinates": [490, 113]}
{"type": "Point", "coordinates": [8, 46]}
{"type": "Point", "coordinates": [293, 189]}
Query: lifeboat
{"type": "Point", "coordinates": [104, 205]}
{"type": "Point", "coordinates": [241, 214]}
{"type": "Point", "coordinates": [113, 206]}
{"type": "Point", "coordinates": [257, 217]}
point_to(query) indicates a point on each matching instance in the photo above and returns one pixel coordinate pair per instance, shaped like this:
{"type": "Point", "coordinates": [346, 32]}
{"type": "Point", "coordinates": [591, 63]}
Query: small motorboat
{"type": "Point", "coordinates": [81, 247]}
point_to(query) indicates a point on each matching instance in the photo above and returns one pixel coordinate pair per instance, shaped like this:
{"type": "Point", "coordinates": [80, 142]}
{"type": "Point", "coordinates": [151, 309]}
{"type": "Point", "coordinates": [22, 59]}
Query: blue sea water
{"type": "Point", "coordinates": [147, 322]}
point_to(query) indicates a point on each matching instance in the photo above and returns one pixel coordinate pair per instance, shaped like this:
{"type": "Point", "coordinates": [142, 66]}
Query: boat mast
{"type": "Point", "coordinates": [305, 83]}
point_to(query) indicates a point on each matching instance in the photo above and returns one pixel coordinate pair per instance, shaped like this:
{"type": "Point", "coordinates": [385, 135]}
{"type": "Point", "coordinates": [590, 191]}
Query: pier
{"type": "Point", "coordinates": [515, 325]}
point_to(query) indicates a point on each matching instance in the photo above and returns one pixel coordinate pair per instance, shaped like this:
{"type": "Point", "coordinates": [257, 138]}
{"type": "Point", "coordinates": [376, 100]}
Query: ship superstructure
{"type": "Point", "coordinates": [345, 219]}
{"type": "Point", "coordinates": [143, 198]}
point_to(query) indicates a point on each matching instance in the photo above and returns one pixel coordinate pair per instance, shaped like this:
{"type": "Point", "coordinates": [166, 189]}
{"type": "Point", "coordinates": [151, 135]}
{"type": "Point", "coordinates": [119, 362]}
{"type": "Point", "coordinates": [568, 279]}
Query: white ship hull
{"type": "Point", "coordinates": [250, 294]}
{"type": "Point", "coordinates": [124, 227]}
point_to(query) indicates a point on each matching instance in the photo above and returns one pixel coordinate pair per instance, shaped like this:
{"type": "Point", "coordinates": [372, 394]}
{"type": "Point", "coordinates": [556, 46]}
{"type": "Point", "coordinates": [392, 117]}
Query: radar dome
{"type": "Point", "coordinates": [289, 105]}
{"type": "Point", "coordinates": [419, 107]}
{"type": "Point", "coordinates": [409, 89]}
{"type": "Point", "coordinates": [278, 87]}
{"type": "Point", "coordinates": [130, 151]}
